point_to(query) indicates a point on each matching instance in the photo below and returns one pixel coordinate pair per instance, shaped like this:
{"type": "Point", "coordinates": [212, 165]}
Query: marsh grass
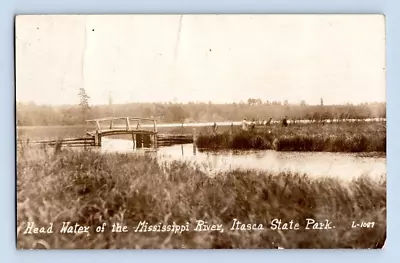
{"type": "Point", "coordinates": [343, 137]}
{"type": "Point", "coordinates": [89, 188]}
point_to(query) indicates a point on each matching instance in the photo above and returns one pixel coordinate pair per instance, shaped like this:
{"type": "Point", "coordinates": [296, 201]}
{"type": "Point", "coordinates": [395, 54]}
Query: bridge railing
{"type": "Point", "coordinates": [127, 120]}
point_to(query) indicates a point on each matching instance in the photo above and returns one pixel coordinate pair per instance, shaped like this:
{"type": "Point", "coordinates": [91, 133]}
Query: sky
{"type": "Point", "coordinates": [218, 58]}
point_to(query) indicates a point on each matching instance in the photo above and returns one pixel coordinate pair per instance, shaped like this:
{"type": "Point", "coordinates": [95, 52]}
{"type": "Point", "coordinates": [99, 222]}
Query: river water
{"type": "Point", "coordinates": [341, 165]}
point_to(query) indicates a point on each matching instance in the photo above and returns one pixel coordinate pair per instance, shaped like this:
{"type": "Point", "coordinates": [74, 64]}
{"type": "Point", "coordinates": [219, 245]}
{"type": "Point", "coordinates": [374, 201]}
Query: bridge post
{"type": "Point", "coordinates": [98, 125]}
{"type": "Point", "coordinates": [154, 125]}
{"type": "Point", "coordinates": [231, 131]}
{"type": "Point", "coordinates": [112, 124]}
{"type": "Point", "coordinates": [134, 140]}
{"type": "Point", "coordinates": [155, 134]}
{"type": "Point", "coordinates": [97, 138]}
{"type": "Point", "coordinates": [194, 141]}
{"type": "Point", "coordinates": [155, 140]}
{"type": "Point", "coordinates": [128, 125]}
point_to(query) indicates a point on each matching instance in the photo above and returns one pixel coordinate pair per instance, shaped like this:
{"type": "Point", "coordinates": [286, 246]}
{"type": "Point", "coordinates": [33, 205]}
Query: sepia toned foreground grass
{"type": "Point", "coordinates": [89, 188]}
{"type": "Point", "coordinates": [343, 137]}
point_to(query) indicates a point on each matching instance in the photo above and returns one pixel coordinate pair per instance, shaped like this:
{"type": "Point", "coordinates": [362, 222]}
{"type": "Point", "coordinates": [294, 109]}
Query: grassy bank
{"type": "Point", "coordinates": [344, 137]}
{"type": "Point", "coordinates": [89, 189]}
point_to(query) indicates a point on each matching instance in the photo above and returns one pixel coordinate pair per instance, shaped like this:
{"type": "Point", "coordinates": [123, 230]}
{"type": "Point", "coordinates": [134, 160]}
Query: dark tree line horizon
{"type": "Point", "coordinates": [30, 114]}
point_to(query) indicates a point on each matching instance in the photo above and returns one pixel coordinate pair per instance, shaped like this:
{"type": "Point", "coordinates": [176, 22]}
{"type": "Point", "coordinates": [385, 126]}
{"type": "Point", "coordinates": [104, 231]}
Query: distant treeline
{"type": "Point", "coordinates": [29, 114]}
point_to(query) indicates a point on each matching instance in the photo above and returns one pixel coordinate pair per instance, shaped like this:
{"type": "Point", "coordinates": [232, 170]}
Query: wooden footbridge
{"type": "Point", "coordinates": [143, 135]}
{"type": "Point", "coordinates": [138, 133]}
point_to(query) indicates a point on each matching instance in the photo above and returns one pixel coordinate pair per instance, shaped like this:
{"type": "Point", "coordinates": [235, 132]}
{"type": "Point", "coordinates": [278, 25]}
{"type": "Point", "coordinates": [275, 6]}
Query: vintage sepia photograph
{"type": "Point", "coordinates": [200, 131]}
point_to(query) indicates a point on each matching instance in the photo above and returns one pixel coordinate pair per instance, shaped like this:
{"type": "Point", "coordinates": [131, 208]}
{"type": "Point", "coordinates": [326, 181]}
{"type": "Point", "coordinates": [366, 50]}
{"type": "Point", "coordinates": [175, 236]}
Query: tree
{"type": "Point", "coordinates": [178, 113]}
{"type": "Point", "coordinates": [251, 101]}
{"type": "Point", "coordinates": [84, 103]}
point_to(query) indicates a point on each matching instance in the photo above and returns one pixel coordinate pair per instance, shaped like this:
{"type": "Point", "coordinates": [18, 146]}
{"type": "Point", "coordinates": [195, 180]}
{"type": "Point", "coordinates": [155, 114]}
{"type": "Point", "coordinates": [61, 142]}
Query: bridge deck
{"type": "Point", "coordinates": [120, 131]}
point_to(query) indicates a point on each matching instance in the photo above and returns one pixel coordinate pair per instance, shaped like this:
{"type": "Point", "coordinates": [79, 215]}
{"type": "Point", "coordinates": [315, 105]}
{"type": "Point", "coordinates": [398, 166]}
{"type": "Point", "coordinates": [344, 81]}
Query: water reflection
{"type": "Point", "coordinates": [342, 165]}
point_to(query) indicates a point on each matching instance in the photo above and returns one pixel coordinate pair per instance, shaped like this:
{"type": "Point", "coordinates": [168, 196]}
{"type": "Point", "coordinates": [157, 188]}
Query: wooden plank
{"type": "Point", "coordinates": [72, 144]}
{"type": "Point", "coordinates": [78, 143]}
{"type": "Point", "coordinates": [145, 119]}
{"type": "Point", "coordinates": [176, 141]}
{"type": "Point", "coordinates": [78, 139]}
{"type": "Point", "coordinates": [83, 145]}
{"type": "Point", "coordinates": [122, 132]}
{"type": "Point", "coordinates": [106, 119]}
{"type": "Point", "coordinates": [121, 118]}
{"type": "Point", "coordinates": [64, 140]}
{"type": "Point", "coordinates": [174, 135]}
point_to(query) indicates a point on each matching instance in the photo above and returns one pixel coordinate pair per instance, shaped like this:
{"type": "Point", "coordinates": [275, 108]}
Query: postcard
{"type": "Point", "coordinates": [200, 131]}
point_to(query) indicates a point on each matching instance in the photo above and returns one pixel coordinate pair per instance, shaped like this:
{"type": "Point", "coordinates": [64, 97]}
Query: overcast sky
{"type": "Point", "coordinates": [219, 58]}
